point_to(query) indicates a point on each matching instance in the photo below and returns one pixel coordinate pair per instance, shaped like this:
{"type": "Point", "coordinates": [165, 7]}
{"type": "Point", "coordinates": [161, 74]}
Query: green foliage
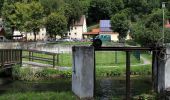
{"type": "Point", "coordinates": [56, 24]}
{"type": "Point", "coordinates": [120, 24]}
{"type": "Point", "coordinates": [39, 96]}
{"type": "Point", "coordinates": [109, 71]}
{"type": "Point", "coordinates": [145, 97]}
{"type": "Point", "coordinates": [32, 74]}
{"type": "Point", "coordinates": [149, 31]}
{"type": "Point", "coordinates": [72, 10]}
{"type": "Point", "coordinates": [1, 5]}
{"type": "Point", "coordinates": [99, 9]}
{"type": "Point", "coordinates": [51, 6]}
{"type": "Point", "coordinates": [35, 21]}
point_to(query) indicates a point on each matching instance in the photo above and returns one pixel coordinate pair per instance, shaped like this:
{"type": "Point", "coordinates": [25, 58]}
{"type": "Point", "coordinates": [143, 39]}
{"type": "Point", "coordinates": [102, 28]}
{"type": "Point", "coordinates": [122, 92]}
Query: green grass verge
{"type": "Point", "coordinates": [108, 71]}
{"type": "Point", "coordinates": [146, 55]}
{"type": "Point", "coordinates": [102, 58]}
{"type": "Point", "coordinates": [39, 96]}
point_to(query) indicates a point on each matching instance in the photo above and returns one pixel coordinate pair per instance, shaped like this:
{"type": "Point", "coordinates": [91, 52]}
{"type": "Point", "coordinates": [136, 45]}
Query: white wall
{"type": "Point", "coordinates": [76, 32]}
{"type": "Point", "coordinates": [40, 36]}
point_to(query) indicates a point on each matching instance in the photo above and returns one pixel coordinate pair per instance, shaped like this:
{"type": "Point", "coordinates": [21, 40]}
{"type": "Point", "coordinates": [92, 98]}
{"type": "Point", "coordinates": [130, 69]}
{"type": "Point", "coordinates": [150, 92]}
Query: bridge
{"type": "Point", "coordinates": [9, 57]}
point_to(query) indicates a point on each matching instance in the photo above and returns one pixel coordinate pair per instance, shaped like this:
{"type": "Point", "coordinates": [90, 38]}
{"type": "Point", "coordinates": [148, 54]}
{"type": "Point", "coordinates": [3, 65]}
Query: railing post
{"type": "Point", "coordinates": [57, 58]}
{"type": "Point", "coordinates": [32, 54]}
{"type": "Point", "coordinates": [127, 75]}
{"type": "Point", "coordinates": [21, 58]}
{"type": "Point", "coordinates": [29, 55]}
{"type": "Point", "coordinates": [2, 58]}
{"type": "Point", "coordinates": [53, 60]}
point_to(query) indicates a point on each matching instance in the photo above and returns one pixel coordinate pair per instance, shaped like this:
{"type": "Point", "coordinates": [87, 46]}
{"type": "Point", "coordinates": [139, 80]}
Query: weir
{"type": "Point", "coordinates": [83, 77]}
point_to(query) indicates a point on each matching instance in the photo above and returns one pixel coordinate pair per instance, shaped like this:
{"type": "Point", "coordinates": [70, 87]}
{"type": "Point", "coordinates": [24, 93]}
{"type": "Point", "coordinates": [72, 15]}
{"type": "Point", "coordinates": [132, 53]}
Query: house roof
{"type": "Point", "coordinates": [80, 22]}
{"type": "Point", "coordinates": [93, 32]}
{"type": "Point", "coordinates": [105, 23]}
{"type": "Point", "coordinates": [105, 26]}
{"type": "Point", "coordinates": [108, 33]}
{"type": "Point", "coordinates": [90, 33]}
{"type": "Point", "coordinates": [96, 30]}
{"type": "Point", "coordinates": [167, 25]}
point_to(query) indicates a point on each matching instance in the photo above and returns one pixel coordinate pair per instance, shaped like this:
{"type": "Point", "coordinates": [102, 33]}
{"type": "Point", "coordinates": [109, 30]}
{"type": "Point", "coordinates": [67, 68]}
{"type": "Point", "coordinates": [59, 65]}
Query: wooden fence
{"type": "Point", "coordinates": [10, 57]}
{"type": "Point", "coordinates": [41, 56]}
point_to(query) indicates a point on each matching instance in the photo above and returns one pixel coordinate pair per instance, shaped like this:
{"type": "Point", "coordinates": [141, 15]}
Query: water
{"type": "Point", "coordinates": [115, 87]}
{"type": "Point", "coordinates": [106, 88]}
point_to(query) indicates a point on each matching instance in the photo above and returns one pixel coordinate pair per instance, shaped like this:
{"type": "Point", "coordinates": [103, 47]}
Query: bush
{"type": "Point", "coordinates": [30, 74]}
{"type": "Point", "coordinates": [121, 70]}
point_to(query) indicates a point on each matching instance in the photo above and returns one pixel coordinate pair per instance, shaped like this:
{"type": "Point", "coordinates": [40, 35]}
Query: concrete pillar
{"type": "Point", "coordinates": [83, 71]}
{"type": "Point", "coordinates": [163, 72]}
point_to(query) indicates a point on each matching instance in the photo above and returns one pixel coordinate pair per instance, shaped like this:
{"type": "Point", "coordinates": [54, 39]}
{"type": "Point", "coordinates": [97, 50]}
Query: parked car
{"type": "Point", "coordinates": [65, 40]}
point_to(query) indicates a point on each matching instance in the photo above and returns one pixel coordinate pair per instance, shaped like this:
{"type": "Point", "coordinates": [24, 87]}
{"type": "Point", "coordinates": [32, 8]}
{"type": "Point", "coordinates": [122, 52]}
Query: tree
{"type": "Point", "coordinates": [1, 5]}
{"type": "Point", "coordinates": [56, 24]}
{"type": "Point", "coordinates": [35, 20]}
{"type": "Point", "coordinates": [51, 6]}
{"type": "Point", "coordinates": [116, 6]}
{"type": "Point", "coordinates": [72, 10]}
{"type": "Point", "coordinates": [148, 32]}
{"type": "Point", "coordinates": [120, 24]}
{"type": "Point", "coordinates": [9, 16]}
{"type": "Point", "coordinates": [99, 9]}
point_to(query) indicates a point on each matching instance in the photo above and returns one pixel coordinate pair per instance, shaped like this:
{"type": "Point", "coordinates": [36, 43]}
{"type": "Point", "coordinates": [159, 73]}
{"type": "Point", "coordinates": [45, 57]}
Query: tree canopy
{"type": "Point", "coordinates": [56, 24]}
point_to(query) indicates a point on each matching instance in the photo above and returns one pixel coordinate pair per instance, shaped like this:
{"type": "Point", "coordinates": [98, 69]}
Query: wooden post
{"type": "Point", "coordinates": [20, 58]}
{"type": "Point", "coordinates": [127, 75]}
{"type": "Point", "coordinates": [2, 58]}
{"type": "Point", "coordinates": [32, 56]}
{"type": "Point", "coordinates": [29, 55]}
{"type": "Point", "coordinates": [115, 57]}
{"type": "Point", "coordinates": [57, 58]}
{"type": "Point", "coordinates": [53, 60]}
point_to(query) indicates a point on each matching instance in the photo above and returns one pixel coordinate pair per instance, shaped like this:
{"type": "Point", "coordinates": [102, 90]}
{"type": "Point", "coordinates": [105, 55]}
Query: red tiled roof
{"type": "Point", "coordinates": [91, 33]}
{"type": "Point", "coordinates": [80, 22]}
{"type": "Point", "coordinates": [167, 26]}
{"type": "Point", "coordinates": [107, 32]}
{"type": "Point", "coordinates": [96, 30]}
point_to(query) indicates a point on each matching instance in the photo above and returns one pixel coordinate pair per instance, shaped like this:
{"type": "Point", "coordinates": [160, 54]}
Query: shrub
{"type": "Point", "coordinates": [30, 74]}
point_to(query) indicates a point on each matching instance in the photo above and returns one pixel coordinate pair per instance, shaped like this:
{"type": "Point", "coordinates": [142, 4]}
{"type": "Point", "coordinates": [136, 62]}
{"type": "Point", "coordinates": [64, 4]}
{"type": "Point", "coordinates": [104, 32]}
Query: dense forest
{"type": "Point", "coordinates": [143, 18]}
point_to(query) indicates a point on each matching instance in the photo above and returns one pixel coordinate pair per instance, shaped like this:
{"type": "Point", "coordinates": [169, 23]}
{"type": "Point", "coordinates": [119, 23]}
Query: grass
{"type": "Point", "coordinates": [108, 58]}
{"type": "Point", "coordinates": [102, 58]}
{"type": "Point", "coordinates": [39, 96]}
{"type": "Point", "coordinates": [32, 74]}
{"type": "Point", "coordinates": [110, 71]}
{"type": "Point", "coordinates": [147, 55]}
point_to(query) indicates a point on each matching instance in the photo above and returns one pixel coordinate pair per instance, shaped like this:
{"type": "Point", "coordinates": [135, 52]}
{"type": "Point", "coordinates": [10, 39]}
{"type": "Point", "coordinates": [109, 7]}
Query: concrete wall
{"type": "Point", "coordinates": [83, 71]}
{"type": "Point", "coordinates": [167, 69]}
{"type": "Point", "coordinates": [161, 70]}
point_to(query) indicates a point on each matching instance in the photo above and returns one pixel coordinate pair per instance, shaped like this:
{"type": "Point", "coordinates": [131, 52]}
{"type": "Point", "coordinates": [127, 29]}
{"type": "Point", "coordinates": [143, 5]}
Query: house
{"type": "Point", "coordinates": [2, 31]}
{"type": "Point", "coordinates": [40, 36]}
{"type": "Point", "coordinates": [30, 36]}
{"type": "Point", "coordinates": [79, 27]}
{"type": "Point", "coordinates": [167, 25]}
{"type": "Point", "coordinates": [105, 29]}
{"type": "Point", "coordinates": [91, 34]}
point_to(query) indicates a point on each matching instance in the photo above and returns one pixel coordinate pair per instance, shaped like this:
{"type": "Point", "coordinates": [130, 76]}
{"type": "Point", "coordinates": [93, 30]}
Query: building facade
{"type": "Point", "coordinates": [79, 27]}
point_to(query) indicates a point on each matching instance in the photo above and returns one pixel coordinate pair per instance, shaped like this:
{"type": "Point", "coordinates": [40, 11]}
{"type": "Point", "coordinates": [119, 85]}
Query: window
{"type": "Point", "coordinates": [75, 33]}
{"type": "Point", "coordinates": [69, 33]}
{"type": "Point", "coordinates": [75, 28]}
